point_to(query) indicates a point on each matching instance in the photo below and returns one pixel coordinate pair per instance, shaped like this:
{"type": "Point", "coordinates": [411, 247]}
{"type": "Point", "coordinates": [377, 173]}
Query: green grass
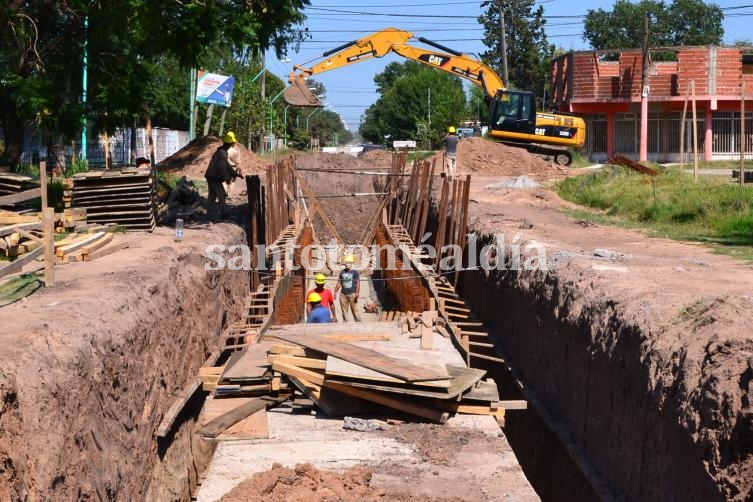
{"type": "Point", "coordinates": [20, 287]}
{"type": "Point", "coordinates": [718, 164]}
{"type": "Point", "coordinates": [713, 211]}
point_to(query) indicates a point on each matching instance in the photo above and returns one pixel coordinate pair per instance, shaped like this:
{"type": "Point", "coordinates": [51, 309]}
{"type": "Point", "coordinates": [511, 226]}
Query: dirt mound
{"type": "Point", "coordinates": [192, 160]}
{"type": "Point", "coordinates": [486, 157]}
{"type": "Point", "coordinates": [303, 483]}
{"type": "Point", "coordinates": [306, 483]}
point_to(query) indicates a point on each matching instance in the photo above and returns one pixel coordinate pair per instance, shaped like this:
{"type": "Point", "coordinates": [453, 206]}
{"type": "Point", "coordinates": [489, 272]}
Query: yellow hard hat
{"type": "Point", "coordinates": [314, 297]}
{"type": "Point", "coordinates": [350, 259]}
{"type": "Point", "coordinates": [451, 129]}
{"type": "Point", "coordinates": [320, 279]}
{"type": "Point", "coordinates": [229, 137]}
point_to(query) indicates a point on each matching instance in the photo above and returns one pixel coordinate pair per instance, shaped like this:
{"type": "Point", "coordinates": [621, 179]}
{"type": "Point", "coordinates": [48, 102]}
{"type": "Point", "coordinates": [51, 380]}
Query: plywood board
{"type": "Point", "coordinates": [483, 391]}
{"type": "Point", "coordinates": [462, 379]}
{"type": "Point", "coordinates": [430, 360]}
{"type": "Point", "coordinates": [366, 358]}
{"type": "Point", "coordinates": [249, 364]}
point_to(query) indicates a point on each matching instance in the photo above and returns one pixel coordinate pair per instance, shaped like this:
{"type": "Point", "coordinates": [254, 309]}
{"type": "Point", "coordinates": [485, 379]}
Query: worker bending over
{"type": "Point", "coordinates": [328, 298]}
{"type": "Point", "coordinates": [318, 313]}
{"type": "Point", "coordinates": [349, 281]}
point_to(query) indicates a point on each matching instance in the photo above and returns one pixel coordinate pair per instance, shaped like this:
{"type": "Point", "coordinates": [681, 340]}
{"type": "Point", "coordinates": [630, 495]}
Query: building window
{"type": "Point", "coordinates": [747, 64]}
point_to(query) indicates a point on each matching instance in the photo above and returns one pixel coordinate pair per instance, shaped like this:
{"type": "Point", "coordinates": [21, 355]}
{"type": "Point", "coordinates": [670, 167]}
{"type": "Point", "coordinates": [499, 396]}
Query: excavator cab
{"type": "Point", "coordinates": [514, 111]}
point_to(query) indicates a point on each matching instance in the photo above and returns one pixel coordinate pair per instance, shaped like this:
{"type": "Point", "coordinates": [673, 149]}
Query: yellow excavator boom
{"type": "Point", "coordinates": [513, 118]}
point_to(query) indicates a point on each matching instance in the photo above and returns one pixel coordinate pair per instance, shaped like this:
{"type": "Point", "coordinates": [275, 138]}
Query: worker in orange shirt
{"type": "Point", "coordinates": [327, 298]}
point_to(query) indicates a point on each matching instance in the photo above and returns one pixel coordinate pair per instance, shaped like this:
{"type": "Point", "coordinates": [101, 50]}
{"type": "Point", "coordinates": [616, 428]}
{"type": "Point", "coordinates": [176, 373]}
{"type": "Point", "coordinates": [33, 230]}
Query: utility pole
{"type": "Point", "coordinates": [643, 156]}
{"type": "Point", "coordinates": [263, 95]}
{"type": "Point", "coordinates": [428, 102]}
{"type": "Point", "coordinates": [503, 41]}
{"type": "Point", "coordinates": [84, 86]}
{"type": "Point", "coordinates": [191, 104]}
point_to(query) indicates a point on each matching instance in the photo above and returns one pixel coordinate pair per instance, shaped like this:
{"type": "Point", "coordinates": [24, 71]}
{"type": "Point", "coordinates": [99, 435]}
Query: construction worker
{"type": "Point", "coordinates": [318, 313]}
{"type": "Point", "coordinates": [450, 144]}
{"type": "Point", "coordinates": [328, 298]}
{"type": "Point", "coordinates": [349, 281]}
{"type": "Point", "coordinates": [222, 169]}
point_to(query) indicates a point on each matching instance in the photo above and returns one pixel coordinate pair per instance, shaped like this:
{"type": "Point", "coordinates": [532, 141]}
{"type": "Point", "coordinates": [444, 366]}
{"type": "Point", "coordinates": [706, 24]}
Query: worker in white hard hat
{"type": "Point", "coordinates": [349, 281]}
{"type": "Point", "coordinates": [326, 295]}
{"type": "Point", "coordinates": [222, 169]}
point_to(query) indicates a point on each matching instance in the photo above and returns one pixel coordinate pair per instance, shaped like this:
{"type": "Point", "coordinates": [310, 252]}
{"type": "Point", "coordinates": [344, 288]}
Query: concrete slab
{"type": "Point", "coordinates": [481, 467]}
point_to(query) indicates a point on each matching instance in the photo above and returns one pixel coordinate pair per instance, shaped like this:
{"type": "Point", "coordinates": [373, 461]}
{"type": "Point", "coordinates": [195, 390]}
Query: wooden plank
{"type": "Point", "coordinates": [462, 379]}
{"type": "Point", "coordinates": [304, 374]}
{"type": "Point", "coordinates": [408, 406]}
{"type": "Point", "coordinates": [300, 362]}
{"type": "Point", "coordinates": [61, 251]}
{"type": "Point", "coordinates": [172, 413]}
{"type": "Point", "coordinates": [105, 251]}
{"type": "Point", "coordinates": [98, 244]}
{"type": "Point", "coordinates": [468, 409]}
{"type": "Point", "coordinates": [250, 364]}
{"type": "Point", "coordinates": [18, 264]}
{"type": "Point", "coordinates": [7, 219]}
{"type": "Point", "coordinates": [332, 402]}
{"type": "Point", "coordinates": [483, 391]}
{"type": "Point", "coordinates": [341, 369]}
{"type": "Point", "coordinates": [215, 427]}
{"type": "Point", "coordinates": [7, 230]}
{"type": "Point", "coordinates": [487, 358]}
{"type": "Point", "coordinates": [365, 357]}
{"type": "Point", "coordinates": [255, 426]}
{"type": "Point", "coordinates": [514, 404]}
{"type": "Point", "coordinates": [7, 200]}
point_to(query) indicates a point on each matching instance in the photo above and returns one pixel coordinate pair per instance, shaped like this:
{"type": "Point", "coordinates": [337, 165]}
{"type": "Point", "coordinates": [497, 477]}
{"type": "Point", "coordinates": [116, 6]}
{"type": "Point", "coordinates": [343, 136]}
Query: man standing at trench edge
{"type": "Point", "coordinates": [349, 281]}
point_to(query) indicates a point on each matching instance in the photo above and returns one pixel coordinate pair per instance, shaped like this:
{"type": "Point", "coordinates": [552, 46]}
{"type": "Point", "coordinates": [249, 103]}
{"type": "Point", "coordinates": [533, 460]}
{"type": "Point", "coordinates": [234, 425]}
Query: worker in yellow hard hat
{"type": "Point", "coordinates": [349, 281]}
{"type": "Point", "coordinates": [223, 169]}
{"type": "Point", "coordinates": [326, 295]}
{"type": "Point", "coordinates": [318, 313]}
{"type": "Point", "coordinates": [450, 151]}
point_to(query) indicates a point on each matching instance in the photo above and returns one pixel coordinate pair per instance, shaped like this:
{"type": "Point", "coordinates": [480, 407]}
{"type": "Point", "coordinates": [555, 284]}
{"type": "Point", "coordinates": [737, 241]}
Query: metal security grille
{"type": "Point", "coordinates": [726, 128]}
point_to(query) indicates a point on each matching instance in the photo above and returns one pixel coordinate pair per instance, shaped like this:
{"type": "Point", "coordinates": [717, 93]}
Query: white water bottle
{"type": "Point", "coordinates": [179, 230]}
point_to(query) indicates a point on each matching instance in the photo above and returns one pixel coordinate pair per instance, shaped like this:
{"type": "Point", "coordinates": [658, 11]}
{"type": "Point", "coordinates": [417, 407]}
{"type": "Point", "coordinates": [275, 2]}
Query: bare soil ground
{"type": "Point", "coordinates": [350, 214]}
{"type": "Point", "coordinates": [645, 352]}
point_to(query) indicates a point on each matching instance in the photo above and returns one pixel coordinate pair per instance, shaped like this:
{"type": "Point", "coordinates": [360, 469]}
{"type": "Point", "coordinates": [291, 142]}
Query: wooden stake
{"type": "Point", "coordinates": [682, 130]}
{"type": "Point", "coordinates": [695, 134]}
{"type": "Point", "coordinates": [48, 224]}
{"type": "Point", "coordinates": [742, 136]}
{"type": "Point", "coordinates": [43, 183]}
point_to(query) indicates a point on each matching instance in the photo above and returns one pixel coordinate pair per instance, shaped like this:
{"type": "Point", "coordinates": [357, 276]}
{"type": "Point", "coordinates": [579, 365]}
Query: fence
{"type": "Point", "coordinates": [166, 142]}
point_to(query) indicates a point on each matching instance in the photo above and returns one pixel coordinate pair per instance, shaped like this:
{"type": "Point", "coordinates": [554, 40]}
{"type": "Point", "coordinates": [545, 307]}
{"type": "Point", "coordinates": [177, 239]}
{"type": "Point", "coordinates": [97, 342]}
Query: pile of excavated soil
{"type": "Point", "coordinates": [486, 157]}
{"type": "Point", "coordinates": [349, 214]}
{"type": "Point", "coordinates": [193, 159]}
{"type": "Point", "coordinates": [306, 483]}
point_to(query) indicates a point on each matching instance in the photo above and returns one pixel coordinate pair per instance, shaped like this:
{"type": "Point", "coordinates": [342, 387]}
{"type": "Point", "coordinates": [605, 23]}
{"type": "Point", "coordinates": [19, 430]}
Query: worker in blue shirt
{"type": "Point", "coordinates": [319, 313]}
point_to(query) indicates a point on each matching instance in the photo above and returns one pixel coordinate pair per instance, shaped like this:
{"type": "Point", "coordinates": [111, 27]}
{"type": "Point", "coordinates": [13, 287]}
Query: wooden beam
{"type": "Point", "coordinates": [488, 358]}
{"type": "Point", "coordinates": [172, 413]}
{"type": "Point", "coordinates": [514, 404]}
{"type": "Point", "coordinates": [105, 251]}
{"type": "Point", "coordinates": [299, 362]}
{"type": "Point", "coordinates": [304, 374]}
{"type": "Point", "coordinates": [7, 200]}
{"type": "Point", "coordinates": [406, 405]}
{"type": "Point", "coordinates": [215, 427]}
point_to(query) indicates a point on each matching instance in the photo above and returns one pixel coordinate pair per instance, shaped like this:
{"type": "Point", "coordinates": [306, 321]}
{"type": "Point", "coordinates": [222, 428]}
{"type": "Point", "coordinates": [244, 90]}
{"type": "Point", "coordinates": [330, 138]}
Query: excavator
{"type": "Point", "coordinates": [513, 116]}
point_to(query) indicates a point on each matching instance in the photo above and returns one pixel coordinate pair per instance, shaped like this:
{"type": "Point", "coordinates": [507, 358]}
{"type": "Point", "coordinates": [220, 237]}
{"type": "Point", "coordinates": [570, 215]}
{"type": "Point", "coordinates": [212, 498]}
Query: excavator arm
{"type": "Point", "coordinates": [513, 116]}
{"type": "Point", "coordinates": [380, 44]}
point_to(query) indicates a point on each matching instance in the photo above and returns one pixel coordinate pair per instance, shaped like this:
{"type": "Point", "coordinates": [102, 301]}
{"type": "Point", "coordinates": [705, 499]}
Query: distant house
{"type": "Point", "coordinates": [604, 87]}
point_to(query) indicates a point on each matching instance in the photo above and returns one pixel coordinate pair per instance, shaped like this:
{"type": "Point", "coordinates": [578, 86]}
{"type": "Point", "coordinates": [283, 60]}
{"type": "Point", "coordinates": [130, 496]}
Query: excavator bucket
{"type": "Point", "coordinates": [298, 93]}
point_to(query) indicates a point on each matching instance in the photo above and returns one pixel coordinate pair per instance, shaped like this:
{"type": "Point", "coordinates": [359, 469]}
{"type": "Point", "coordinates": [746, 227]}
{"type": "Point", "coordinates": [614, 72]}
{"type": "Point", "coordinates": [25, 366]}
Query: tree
{"type": "Point", "coordinates": [528, 51]}
{"type": "Point", "coordinates": [684, 22]}
{"type": "Point", "coordinates": [41, 48]}
{"type": "Point", "coordinates": [406, 91]}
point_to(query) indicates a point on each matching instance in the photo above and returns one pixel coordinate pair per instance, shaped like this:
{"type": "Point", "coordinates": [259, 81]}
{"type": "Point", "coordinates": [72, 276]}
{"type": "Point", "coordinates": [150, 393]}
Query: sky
{"type": "Point", "coordinates": [350, 89]}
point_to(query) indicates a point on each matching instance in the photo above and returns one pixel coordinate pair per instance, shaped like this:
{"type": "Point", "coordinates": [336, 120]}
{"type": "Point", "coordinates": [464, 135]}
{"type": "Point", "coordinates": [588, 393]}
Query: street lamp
{"type": "Point", "coordinates": [271, 102]}
{"type": "Point", "coordinates": [310, 114]}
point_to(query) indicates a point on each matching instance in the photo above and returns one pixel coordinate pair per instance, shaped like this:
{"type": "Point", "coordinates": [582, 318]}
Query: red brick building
{"type": "Point", "coordinates": [604, 87]}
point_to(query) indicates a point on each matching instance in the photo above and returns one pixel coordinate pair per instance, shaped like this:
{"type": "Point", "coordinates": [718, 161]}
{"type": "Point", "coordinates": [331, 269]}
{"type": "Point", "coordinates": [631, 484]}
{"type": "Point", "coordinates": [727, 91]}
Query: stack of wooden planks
{"type": "Point", "coordinates": [125, 197]}
{"type": "Point", "coordinates": [11, 183]}
{"type": "Point", "coordinates": [19, 239]}
{"type": "Point", "coordinates": [87, 247]}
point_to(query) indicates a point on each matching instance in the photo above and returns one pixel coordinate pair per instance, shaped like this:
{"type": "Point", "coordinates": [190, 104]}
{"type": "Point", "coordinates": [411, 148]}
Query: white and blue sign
{"type": "Point", "coordinates": [215, 89]}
